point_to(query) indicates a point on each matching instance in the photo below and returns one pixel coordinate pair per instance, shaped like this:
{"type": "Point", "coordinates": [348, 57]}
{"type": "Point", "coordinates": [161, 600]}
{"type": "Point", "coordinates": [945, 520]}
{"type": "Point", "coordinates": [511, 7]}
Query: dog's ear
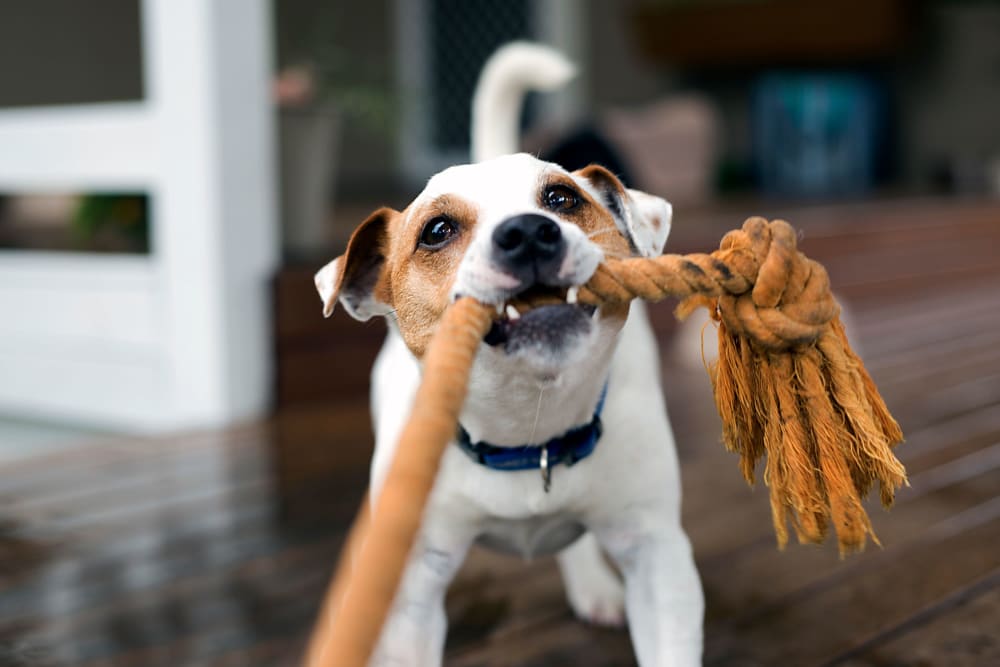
{"type": "Point", "coordinates": [651, 217]}
{"type": "Point", "coordinates": [355, 278]}
{"type": "Point", "coordinates": [642, 218]}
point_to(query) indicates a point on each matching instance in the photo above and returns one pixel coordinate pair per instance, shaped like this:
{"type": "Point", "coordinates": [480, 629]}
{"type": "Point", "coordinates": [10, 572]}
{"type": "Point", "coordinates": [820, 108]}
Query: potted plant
{"type": "Point", "coordinates": [314, 94]}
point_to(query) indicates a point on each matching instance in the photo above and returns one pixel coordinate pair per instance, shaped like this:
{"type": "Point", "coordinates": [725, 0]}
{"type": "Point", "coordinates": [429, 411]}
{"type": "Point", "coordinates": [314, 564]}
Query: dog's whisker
{"type": "Point", "coordinates": [600, 232]}
{"type": "Point", "coordinates": [538, 412]}
{"type": "Point", "coordinates": [616, 255]}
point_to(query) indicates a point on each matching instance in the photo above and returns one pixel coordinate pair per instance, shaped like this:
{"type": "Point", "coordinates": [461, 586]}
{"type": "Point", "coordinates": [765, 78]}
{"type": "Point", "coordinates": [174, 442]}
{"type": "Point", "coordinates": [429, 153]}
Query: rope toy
{"type": "Point", "coordinates": [787, 384]}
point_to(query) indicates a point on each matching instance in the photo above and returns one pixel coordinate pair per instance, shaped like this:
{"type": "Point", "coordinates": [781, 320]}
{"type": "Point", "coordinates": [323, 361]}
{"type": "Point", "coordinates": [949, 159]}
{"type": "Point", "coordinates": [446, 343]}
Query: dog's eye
{"type": "Point", "coordinates": [437, 232]}
{"type": "Point", "coordinates": [560, 198]}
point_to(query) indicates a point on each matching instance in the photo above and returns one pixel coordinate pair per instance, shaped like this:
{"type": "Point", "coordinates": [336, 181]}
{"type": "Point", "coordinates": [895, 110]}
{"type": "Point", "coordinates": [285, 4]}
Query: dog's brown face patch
{"type": "Point", "coordinates": [597, 221]}
{"type": "Point", "coordinates": [420, 277]}
{"type": "Point", "coordinates": [590, 215]}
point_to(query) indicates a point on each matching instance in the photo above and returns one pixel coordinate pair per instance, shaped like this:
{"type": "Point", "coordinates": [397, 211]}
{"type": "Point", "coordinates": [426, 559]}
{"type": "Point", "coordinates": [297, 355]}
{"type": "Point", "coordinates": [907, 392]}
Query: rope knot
{"type": "Point", "coordinates": [789, 302]}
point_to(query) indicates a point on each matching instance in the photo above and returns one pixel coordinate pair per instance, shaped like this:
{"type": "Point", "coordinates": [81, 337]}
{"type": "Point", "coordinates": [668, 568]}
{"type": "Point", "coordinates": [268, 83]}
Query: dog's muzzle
{"type": "Point", "coordinates": [543, 311]}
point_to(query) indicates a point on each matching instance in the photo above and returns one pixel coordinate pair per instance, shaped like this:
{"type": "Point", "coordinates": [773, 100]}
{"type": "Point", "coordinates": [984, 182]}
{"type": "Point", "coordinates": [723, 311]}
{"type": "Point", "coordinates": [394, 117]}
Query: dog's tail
{"type": "Point", "coordinates": [509, 73]}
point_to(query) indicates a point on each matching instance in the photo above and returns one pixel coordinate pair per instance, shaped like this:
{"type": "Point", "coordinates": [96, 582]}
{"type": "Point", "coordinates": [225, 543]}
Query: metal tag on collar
{"type": "Point", "coordinates": [543, 466]}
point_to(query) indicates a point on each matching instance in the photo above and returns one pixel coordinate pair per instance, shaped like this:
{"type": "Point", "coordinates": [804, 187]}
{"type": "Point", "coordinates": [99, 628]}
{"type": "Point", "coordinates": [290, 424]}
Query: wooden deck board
{"type": "Point", "coordinates": [214, 548]}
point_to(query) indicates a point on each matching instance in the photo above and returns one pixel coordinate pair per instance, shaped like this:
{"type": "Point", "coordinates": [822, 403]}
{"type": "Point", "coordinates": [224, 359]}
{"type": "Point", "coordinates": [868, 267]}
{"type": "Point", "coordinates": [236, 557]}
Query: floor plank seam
{"type": "Point", "coordinates": [921, 618]}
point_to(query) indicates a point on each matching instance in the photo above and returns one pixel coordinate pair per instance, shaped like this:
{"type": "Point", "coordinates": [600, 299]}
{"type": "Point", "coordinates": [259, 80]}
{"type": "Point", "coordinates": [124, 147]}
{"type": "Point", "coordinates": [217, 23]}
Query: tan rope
{"type": "Point", "coordinates": [787, 384]}
{"type": "Point", "coordinates": [355, 610]}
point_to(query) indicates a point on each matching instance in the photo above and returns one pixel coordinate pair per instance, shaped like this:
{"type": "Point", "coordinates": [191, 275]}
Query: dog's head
{"type": "Point", "coordinates": [515, 232]}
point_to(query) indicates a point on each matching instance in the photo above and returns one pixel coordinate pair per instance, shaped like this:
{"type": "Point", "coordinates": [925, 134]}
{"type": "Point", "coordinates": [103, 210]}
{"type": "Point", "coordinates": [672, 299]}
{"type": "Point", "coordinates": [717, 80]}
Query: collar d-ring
{"type": "Point", "coordinates": [543, 467]}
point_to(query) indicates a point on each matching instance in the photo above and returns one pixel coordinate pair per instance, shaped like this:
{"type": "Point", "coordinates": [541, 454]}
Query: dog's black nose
{"type": "Point", "coordinates": [529, 243]}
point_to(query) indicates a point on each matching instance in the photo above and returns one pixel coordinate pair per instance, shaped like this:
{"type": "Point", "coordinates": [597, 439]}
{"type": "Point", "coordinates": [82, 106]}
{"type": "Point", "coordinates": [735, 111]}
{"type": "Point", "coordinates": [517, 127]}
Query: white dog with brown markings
{"type": "Point", "coordinates": [564, 445]}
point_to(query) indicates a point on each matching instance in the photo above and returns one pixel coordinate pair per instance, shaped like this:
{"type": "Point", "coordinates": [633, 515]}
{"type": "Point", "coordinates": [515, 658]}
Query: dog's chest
{"type": "Point", "coordinates": [532, 536]}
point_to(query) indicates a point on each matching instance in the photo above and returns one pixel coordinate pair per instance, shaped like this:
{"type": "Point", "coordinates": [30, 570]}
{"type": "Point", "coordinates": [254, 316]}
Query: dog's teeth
{"type": "Point", "coordinates": [512, 312]}
{"type": "Point", "coordinates": [500, 308]}
{"type": "Point", "coordinates": [597, 313]}
{"type": "Point", "coordinates": [571, 294]}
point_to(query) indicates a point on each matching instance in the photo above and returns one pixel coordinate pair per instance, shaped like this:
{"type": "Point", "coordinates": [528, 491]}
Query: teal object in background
{"type": "Point", "coordinates": [816, 134]}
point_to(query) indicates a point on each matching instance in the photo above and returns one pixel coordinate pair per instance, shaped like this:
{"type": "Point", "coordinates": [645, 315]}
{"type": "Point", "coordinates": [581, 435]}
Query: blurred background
{"type": "Point", "coordinates": [183, 437]}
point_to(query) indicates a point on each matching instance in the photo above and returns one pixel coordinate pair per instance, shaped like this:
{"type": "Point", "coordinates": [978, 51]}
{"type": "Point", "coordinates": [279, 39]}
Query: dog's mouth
{"type": "Point", "coordinates": [540, 316]}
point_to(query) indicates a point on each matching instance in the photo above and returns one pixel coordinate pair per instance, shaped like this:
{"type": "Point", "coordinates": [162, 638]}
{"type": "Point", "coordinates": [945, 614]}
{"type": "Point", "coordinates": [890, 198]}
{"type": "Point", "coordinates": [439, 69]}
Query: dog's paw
{"type": "Point", "coordinates": [599, 599]}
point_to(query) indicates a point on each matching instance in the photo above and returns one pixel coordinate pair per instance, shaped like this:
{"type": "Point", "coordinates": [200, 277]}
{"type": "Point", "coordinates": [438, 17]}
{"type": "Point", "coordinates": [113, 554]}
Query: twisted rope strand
{"type": "Point", "coordinates": [767, 290]}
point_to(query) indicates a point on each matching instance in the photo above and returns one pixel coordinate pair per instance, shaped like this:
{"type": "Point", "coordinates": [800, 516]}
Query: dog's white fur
{"type": "Point", "coordinates": [626, 495]}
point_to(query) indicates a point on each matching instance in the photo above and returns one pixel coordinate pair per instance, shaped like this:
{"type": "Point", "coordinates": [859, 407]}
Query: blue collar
{"type": "Point", "coordinates": [572, 446]}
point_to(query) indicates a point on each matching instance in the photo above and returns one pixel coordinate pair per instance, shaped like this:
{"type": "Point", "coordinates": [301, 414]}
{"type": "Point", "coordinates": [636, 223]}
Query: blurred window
{"type": "Point", "coordinates": [69, 52]}
{"type": "Point", "coordinates": [88, 222]}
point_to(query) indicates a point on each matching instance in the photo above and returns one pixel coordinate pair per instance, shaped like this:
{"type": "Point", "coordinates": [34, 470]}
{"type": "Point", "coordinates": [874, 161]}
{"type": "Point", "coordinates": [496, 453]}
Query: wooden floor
{"type": "Point", "coordinates": [215, 548]}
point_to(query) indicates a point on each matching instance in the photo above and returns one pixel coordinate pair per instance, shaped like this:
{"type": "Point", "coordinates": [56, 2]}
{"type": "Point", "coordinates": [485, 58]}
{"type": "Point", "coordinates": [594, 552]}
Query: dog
{"type": "Point", "coordinates": [564, 445]}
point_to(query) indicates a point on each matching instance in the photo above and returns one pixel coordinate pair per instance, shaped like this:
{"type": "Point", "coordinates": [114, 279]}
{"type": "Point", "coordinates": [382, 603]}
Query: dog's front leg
{"type": "Point", "coordinates": [663, 597]}
{"type": "Point", "coordinates": [414, 633]}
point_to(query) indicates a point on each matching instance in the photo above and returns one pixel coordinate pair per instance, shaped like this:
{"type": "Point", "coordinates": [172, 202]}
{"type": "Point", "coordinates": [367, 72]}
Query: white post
{"type": "Point", "coordinates": [214, 212]}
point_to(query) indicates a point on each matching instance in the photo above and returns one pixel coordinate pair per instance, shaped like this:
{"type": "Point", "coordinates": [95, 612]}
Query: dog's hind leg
{"type": "Point", "coordinates": [595, 592]}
